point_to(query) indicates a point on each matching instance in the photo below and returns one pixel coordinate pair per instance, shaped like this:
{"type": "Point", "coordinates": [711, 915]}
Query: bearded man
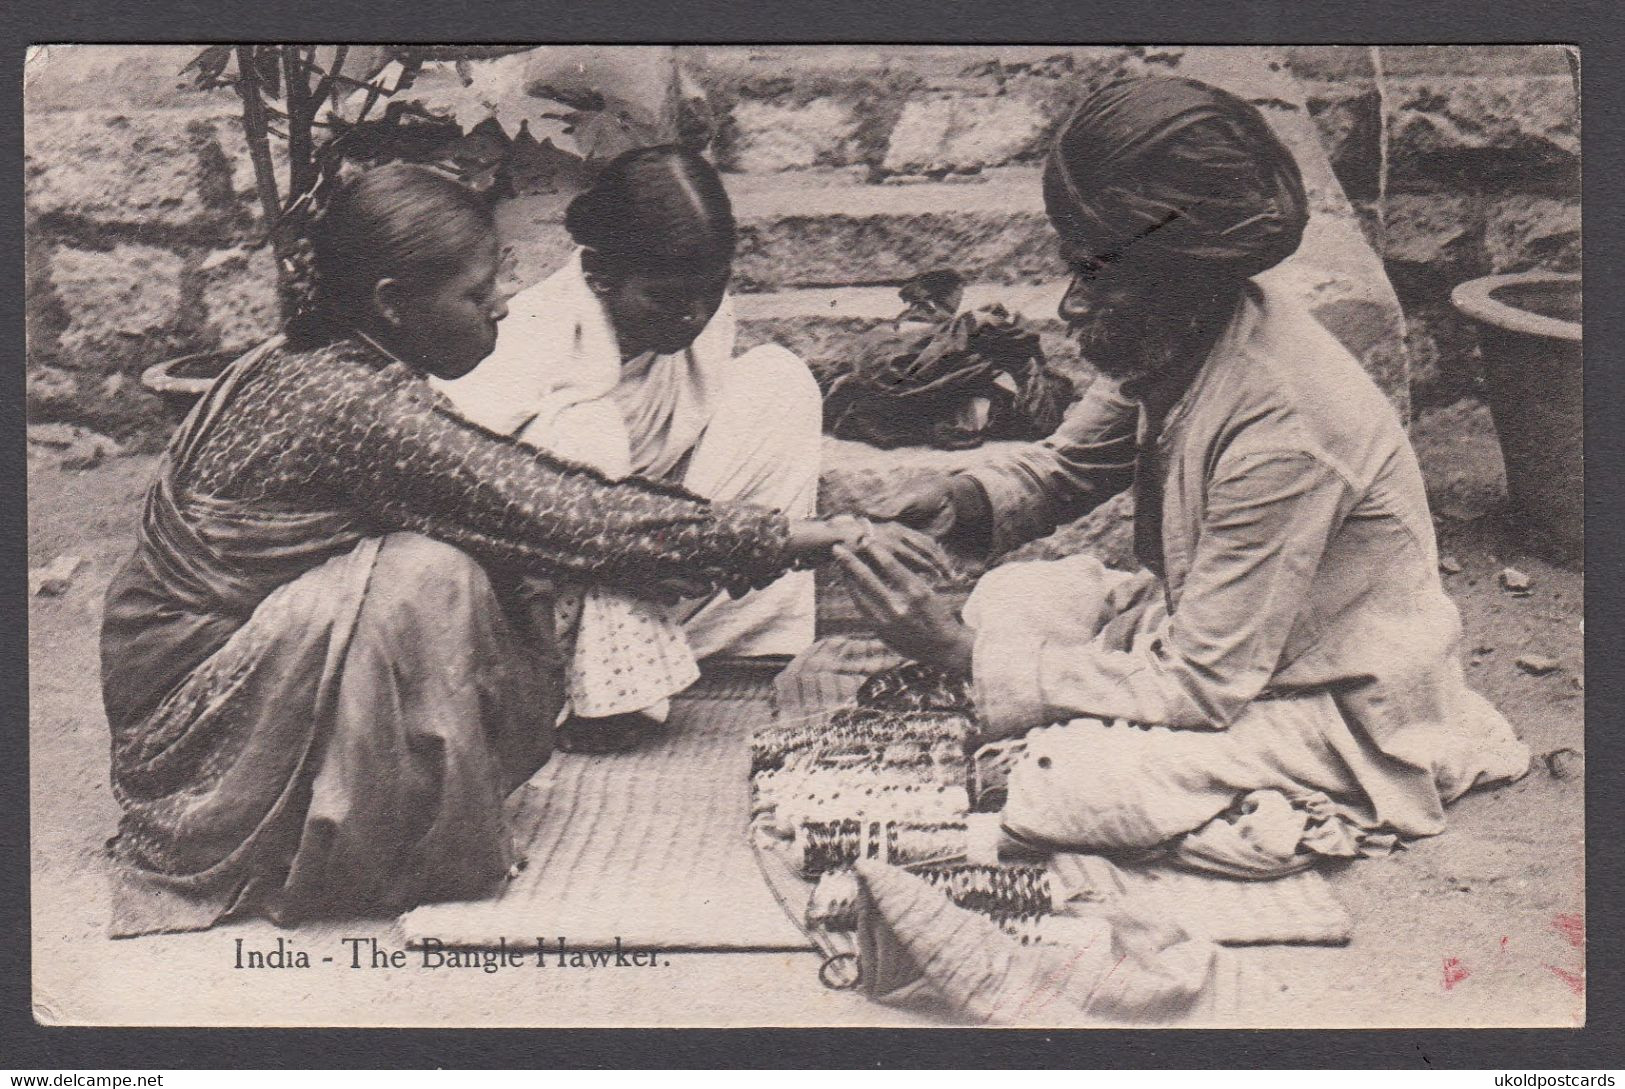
{"type": "Point", "coordinates": [1288, 632]}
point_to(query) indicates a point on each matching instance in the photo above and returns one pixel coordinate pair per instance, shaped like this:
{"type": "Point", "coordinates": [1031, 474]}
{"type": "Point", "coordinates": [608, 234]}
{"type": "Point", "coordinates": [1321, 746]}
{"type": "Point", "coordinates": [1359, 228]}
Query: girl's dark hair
{"type": "Point", "coordinates": [660, 204]}
{"type": "Point", "coordinates": [402, 221]}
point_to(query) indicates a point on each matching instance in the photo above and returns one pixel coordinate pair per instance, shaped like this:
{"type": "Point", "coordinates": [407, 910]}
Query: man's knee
{"type": "Point", "coordinates": [1055, 599]}
{"type": "Point", "coordinates": [1004, 584]}
{"type": "Point", "coordinates": [1095, 786]}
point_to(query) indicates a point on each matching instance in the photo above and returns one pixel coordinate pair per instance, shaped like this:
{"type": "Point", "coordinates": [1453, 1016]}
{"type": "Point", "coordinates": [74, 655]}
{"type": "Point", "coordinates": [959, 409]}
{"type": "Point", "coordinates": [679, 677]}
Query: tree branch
{"type": "Point", "coordinates": [259, 143]}
{"type": "Point", "coordinates": [301, 157]}
{"type": "Point", "coordinates": [327, 86]}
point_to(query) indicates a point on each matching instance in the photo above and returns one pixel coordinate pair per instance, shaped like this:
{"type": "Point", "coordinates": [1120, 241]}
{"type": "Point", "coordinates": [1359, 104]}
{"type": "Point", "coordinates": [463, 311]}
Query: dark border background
{"type": "Point", "coordinates": [1595, 25]}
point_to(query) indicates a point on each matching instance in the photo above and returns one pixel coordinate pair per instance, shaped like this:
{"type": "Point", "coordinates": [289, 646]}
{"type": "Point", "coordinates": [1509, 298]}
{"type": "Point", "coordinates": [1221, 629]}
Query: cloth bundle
{"type": "Point", "coordinates": [934, 378]}
{"type": "Point", "coordinates": [1267, 835]}
{"type": "Point", "coordinates": [1058, 971]}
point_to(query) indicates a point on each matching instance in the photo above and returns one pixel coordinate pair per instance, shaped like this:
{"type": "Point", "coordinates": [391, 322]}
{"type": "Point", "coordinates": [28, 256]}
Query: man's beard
{"type": "Point", "coordinates": [1131, 347]}
{"type": "Point", "coordinates": [1136, 346]}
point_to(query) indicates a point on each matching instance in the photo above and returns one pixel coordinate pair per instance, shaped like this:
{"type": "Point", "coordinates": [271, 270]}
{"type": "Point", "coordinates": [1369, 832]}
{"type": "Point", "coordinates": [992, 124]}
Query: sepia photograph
{"type": "Point", "coordinates": [726, 536]}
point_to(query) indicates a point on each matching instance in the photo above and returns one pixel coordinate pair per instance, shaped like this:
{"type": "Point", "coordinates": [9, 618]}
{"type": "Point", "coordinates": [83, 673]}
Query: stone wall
{"type": "Point", "coordinates": [1483, 150]}
{"type": "Point", "coordinates": [142, 236]}
{"type": "Point", "coordinates": [143, 243]}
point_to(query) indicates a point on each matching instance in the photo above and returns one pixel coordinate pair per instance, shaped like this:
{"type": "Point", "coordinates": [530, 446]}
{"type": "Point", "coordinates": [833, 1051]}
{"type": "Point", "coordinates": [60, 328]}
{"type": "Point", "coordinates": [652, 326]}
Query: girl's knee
{"type": "Point", "coordinates": [771, 375]}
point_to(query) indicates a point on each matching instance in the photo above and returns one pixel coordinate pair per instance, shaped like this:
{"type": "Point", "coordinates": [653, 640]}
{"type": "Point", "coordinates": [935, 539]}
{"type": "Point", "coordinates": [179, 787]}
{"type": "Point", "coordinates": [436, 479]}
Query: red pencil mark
{"type": "Point", "coordinates": [1454, 972]}
{"type": "Point", "coordinates": [1050, 987]}
{"type": "Point", "coordinates": [1575, 980]}
{"type": "Point", "coordinates": [1051, 981]}
{"type": "Point", "coordinates": [1503, 943]}
{"type": "Point", "coordinates": [1573, 929]}
{"type": "Point", "coordinates": [1087, 1001]}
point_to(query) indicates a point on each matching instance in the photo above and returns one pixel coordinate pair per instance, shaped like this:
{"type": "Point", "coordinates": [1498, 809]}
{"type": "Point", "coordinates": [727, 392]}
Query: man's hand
{"type": "Point", "coordinates": [915, 551]}
{"type": "Point", "coordinates": [923, 505]}
{"type": "Point", "coordinates": [908, 614]}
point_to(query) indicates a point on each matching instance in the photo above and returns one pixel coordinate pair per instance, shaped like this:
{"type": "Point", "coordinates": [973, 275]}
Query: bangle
{"type": "Point", "coordinates": [865, 529]}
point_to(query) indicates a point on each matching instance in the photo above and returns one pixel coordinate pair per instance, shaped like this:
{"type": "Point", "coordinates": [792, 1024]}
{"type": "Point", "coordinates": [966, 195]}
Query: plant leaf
{"type": "Point", "coordinates": [495, 90]}
{"type": "Point", "coordinates": [483, 145]}
{"type": "Point", "coordinates": [542, 167]}
{"type": "Point", "coordinates": [268, 66]}
{"type": "Point", "coordinates": [209, 65]}
{"type": "Point", "coordinates": [640, 82]}
{"type": "Point", "coordinates": [603, 134]}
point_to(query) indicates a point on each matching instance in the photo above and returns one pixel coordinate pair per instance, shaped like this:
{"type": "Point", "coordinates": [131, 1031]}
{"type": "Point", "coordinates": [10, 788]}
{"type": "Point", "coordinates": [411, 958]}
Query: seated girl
{"type": "Point", "coordinates": [629, 347]}
{"type": "Point", "coordinates": [625, 657]}
{"type": "Point", "coordinates": [319, 681]}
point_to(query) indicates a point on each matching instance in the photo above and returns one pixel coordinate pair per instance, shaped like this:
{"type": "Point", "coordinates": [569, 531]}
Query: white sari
{"type": "Point", "coordinates": [731, 428]}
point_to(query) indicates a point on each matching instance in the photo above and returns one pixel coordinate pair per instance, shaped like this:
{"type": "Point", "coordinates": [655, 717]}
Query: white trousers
{"type": "Point", "coordinates": [1093, 785]}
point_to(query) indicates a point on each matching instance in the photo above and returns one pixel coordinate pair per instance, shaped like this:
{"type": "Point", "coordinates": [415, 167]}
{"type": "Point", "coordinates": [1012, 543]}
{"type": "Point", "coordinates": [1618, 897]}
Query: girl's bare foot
{"type": "Point", "coordinates": [612, 733]}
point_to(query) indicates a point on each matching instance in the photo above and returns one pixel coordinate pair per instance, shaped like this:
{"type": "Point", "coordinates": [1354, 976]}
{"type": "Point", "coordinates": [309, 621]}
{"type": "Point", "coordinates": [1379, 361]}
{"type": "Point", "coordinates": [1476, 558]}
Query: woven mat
{"type": "Point", "coordinates": [648, 846]}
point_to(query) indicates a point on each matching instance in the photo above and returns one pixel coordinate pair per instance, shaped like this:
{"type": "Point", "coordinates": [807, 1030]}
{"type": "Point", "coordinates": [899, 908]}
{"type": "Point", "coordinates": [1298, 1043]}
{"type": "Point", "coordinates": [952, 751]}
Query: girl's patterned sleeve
{"type": "Point", "coordinates": [398, 451]}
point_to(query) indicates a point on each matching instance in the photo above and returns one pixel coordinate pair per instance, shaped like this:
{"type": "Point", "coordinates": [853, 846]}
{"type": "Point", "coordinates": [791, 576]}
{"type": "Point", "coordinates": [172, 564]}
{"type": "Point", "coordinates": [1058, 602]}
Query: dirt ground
{"type": "Point", "coordinates": [1483, 925]}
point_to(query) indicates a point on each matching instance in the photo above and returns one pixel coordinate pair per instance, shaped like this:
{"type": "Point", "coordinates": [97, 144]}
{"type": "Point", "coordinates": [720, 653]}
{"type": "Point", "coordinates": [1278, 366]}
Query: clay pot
{"type": "Point", "coordinates": [180, 382]}
{"type": "Point", "coordinates": [1529, 334]}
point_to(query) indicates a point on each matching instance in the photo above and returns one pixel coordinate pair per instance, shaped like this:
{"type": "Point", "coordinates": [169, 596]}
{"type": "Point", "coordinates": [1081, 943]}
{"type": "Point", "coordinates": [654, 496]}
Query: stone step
{"type": "Point", "coordinates": [823, 325]}
{"type": "Point", "coordinates": [764, 69]}
{"type": "Point", "coordinates": [934, 112]}
{"type": "Point", "coordinates": [939, 66]}
{"type": "Point", "coordinates": [814, 228]}
{"type": "Point", "coordinates": [1341, 62]}
{"type": "Point", "coordinates": [826, 228]}
{"type": "Point", "coordinates": [898, 109]}
{"type": "Point", "coordinates": [902, 111]}
{"type": "Point", "coordinates": [869, 305]}
{"type": "Point", "coordinates": [1334, 273]}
